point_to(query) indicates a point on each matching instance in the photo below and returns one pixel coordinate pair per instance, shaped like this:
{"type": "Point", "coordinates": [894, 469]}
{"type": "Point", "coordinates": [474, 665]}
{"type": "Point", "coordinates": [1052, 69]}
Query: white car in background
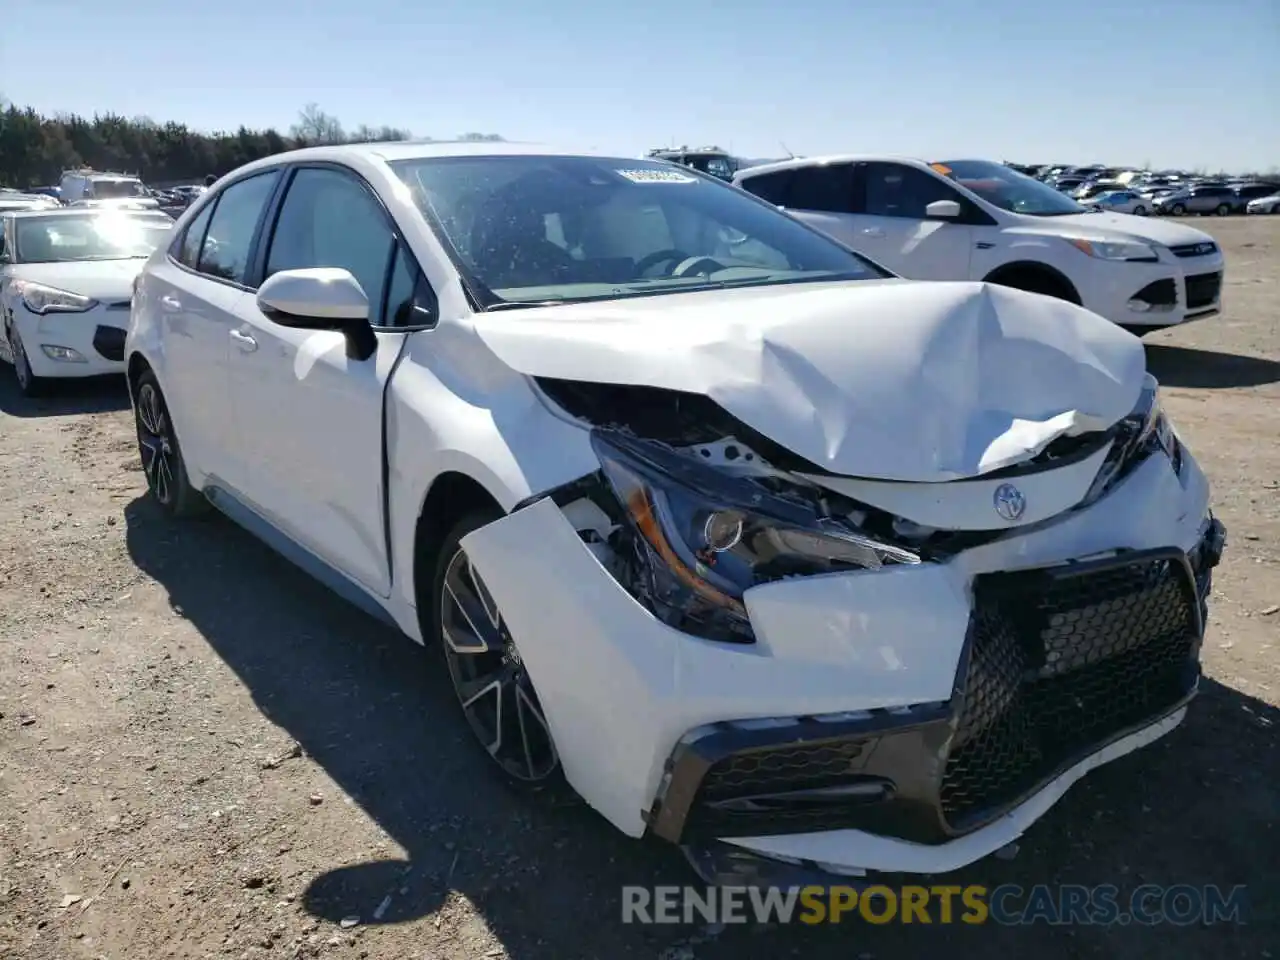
{"type": "Point", "coordinates": [66, 279]}
{"type": "Point", "coordinates": [1268, 204]}
{"type": "Point", "coordinates": [978, 220]}
{"type": "Point", "coordinates": [1119, 201]}
{"type": "Point", "coordinates": [768, 553]}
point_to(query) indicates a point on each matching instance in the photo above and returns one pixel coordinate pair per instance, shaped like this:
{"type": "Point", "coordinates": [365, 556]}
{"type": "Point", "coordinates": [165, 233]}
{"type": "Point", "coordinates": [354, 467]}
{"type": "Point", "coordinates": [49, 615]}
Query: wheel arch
{"type": "Point", "coordinates": [1036, 269]}
{"type": "Point", "coordinates": [450, 496]}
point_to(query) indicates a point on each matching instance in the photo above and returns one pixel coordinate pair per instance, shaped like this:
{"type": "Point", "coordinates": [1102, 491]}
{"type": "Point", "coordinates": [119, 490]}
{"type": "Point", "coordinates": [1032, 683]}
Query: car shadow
{"type": "Point", "coordinates": [81, 395]}
{"type": "Point", "coordinates": [1208, 369]}
{"type": "Point", "coordinates": [377, 713]}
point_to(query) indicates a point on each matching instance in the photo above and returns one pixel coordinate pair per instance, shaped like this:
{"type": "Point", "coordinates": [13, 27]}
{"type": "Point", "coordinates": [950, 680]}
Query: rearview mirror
{"type": "Point", "coordinates": [320, 298]}
{"type": "Point", "coordinates": [942, 210]}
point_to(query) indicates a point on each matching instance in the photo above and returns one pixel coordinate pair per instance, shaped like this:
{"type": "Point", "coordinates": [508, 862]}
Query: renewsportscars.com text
{"type": "Point", "coordinates": [1006, 905]}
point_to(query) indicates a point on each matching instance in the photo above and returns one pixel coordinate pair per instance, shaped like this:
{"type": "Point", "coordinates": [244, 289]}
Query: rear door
{"type": "Point", "coordinates": [822, 196]}
{"type": "Point", "coordinates": [311, 416]}
{"type": "Point", "coordinates": [198, 289]}
{"type": "Point", "coordinates": [895, 230]}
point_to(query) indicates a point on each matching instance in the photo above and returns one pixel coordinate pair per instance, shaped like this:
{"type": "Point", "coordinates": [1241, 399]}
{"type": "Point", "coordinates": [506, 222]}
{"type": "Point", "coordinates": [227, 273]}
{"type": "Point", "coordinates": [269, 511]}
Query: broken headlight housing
{"type": "Point", "coordinates": [695, 538]}
{"type": "Point", "coordinates": [1146, 430]}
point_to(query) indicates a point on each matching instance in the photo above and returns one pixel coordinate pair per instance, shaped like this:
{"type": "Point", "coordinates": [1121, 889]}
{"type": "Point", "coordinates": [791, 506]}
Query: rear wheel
{"type": "Point", "coordinates": [1223, 209]}
{"type": "Point", "coordinates": [162, 460]}
{"type": "Point", "coordinates": [1178, 209]}
{"type": "Point", "coordinates": [489, 676]}
{"type": "Point", "coordinates": [1140, 211]}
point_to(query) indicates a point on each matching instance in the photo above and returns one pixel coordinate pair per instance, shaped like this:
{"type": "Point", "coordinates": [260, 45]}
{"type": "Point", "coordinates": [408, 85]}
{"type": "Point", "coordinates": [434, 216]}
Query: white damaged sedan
{"type": "Point", "coordinates": [795, 564]}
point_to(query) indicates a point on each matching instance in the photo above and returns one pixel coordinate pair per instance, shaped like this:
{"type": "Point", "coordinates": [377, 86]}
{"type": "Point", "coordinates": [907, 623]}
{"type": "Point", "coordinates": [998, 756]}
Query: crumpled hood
{"type": "Point", "coordinates": [104, 280]}
{"type": "Point", "coordinates": [886, 379]}
{"type": "Point", "coordinates": [1144, 228]}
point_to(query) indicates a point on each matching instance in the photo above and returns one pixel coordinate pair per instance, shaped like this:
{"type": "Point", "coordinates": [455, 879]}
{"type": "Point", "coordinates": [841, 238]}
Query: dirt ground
{"type": "Point", "coordinates": [220, 758]}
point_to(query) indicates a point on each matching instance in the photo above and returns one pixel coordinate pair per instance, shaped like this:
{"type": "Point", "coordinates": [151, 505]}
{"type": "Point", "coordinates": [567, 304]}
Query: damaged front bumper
{"type": "Point", "coordinates": [906, 719]}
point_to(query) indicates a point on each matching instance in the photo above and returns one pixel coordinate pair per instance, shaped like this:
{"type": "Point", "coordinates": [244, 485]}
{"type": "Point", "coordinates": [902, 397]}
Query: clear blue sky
{"type": "Point", "coordinates": [1173, 82]}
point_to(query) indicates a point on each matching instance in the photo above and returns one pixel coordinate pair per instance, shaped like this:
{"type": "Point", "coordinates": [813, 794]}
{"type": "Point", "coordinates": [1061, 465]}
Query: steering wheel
{"type": "Point", "coordinates": [709, 266]}
{"type": "Point", "coordinates": [648, 262]}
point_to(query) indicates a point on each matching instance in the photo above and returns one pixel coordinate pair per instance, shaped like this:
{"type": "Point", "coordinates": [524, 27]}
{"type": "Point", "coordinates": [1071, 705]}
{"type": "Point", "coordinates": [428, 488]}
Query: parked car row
{"type": "Point", "coordinates": [768, 553]}
{"type": "Point", "coordinates": [1166, 193]}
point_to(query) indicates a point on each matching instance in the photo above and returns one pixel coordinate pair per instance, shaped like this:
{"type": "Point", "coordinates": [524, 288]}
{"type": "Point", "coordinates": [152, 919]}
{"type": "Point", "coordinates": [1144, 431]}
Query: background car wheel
{"type": "Point", "coordinates": [1178, 210]}
{"type": "Point", "coordinates": [1223, 209]}
{"type": "Point", "coordinates": [489, 677]}
{"type": "Point", "coordinates": [28, 383]}
{"type": "Point", "coordinates": [1140, 211]}
{"type": "Point", "coordinates": [162, 462]}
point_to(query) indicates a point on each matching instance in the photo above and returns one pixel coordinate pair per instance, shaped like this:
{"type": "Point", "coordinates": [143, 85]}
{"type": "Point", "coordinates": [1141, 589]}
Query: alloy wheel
{"type": "Point", "coordinates": [489, 677]}
{"type": "Point", "coordinates": [155, 442]}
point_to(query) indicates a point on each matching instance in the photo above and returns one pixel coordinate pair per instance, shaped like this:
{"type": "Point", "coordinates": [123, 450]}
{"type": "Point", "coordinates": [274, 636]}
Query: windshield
{"type": "Point", "coordinates": [538, 229]}
{"type": "Point", "coordinates": [1009, 190]}
{"type": "Point", "coordinates": [109, 189]}
{"type": "Point", "coordinates": [92, 237]}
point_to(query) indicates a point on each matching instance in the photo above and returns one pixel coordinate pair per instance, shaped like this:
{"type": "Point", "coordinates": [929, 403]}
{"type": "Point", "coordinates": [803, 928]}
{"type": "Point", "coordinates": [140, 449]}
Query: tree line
{"type": "Point", "coordinates": [35, 149]}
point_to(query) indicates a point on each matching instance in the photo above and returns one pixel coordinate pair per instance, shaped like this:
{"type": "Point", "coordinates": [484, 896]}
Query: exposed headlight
{"type": "Point", "coordinates": [42, 299]}
{"type": "Point", "coordinates": [702, 538]}
{"type": "Point", "coordinates": [1129, 250]}
{"type": "Point", "coordinates": [1145, 431]}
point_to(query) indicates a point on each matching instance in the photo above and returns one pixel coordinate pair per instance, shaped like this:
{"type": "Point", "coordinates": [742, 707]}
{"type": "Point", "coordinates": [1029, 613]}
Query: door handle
{"type": "Point", "coordinates": [170, 303]}
{"type": "Point", "coordinates": [873, 232]}
{"type": "Point", "coordinates": [244, 341]}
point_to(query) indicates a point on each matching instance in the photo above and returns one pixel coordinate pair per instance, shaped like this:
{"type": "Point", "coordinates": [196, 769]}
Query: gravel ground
{"type": "Point", "coordinates": [205, 754]}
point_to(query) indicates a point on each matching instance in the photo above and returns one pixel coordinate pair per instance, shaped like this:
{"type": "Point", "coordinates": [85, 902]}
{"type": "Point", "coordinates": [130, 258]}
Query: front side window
{"type": "Point", "coordinates": [896, 190]}
{"type": "Point", "coordinates": [330, 219]}
{"type": "Point", "coordinates": [1009, 190]}
{"type": "Point", "coordinates": [94, 236]}
{"type": "Point", "coordinates": [225, 251]}
{"type": "Point", "coordinates": [537, 229]}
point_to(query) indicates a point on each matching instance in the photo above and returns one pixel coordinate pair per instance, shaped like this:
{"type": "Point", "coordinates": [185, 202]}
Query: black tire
{"type": "Point", "coordinates": [1139, 211]}
{"type": "Point", "coordinates": [29, 385]}
{"type": "Point", "coordinates": [507, 721]}
{"type": "Point", "coordinates": [1223, 209]}
{"type": "Point", "coordinates": [162, 462]}
{"type": "Point", "coordinates": [1035, 282]}
{"type": "Point", "coordinates": [1178, 209]}
{"type": "Point", "coordinates": [1137, 331]}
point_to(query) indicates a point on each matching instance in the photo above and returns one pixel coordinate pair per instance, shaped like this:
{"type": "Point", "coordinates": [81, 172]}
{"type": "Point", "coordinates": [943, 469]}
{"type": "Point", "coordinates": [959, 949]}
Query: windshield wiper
{"type": "Point", "coordinates": [520, 304]}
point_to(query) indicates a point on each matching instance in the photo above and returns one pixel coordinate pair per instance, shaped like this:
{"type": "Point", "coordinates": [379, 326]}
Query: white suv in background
{"type": "Point", "coordinates": [979, 220]}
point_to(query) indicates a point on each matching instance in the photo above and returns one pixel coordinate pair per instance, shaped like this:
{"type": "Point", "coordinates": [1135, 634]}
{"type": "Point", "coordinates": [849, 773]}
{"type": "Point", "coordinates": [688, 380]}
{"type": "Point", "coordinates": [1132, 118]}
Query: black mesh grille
{"type": "Point", "coordinates": [793, 767]}
{"type": "Point", "coordinates": [1202, 289]}
{"type": "Point", "coordinates": [1058, 667]}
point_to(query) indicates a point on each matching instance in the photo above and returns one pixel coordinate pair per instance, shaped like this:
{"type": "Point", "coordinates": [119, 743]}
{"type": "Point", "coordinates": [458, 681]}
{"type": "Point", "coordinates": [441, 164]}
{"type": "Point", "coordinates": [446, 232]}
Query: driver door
{"type": "Point", "coordinates": [894, 229]}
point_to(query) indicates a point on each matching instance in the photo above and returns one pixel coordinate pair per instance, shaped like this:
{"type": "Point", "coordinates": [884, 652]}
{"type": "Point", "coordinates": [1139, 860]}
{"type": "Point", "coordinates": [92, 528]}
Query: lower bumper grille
{"type": "Point", "coordinates": [1203, 289]}
{"type": "Point", "coordinates": [1060, 662]}
{"type": "Point", "coordinates": [1059, 668]}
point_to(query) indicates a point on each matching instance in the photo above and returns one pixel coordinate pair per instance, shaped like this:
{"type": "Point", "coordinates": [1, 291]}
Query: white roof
{"type": "Point", "coordinates": [797, 162]}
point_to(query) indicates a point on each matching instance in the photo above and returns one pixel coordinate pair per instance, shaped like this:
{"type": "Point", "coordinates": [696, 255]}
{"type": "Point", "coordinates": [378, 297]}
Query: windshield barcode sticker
{"type": "Point", "coordinates": [657, 176]}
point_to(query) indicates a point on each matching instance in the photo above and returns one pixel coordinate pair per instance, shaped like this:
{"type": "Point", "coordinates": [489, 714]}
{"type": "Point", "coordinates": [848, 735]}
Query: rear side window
{"type": "Point", "coordinates": [771, 187]}
{"type": "Point", "coordinates": [828, 188]}
{"type": "Point", "coordinates": [225, 250]}
{"type": "Point", "coordinates": [189, 249]}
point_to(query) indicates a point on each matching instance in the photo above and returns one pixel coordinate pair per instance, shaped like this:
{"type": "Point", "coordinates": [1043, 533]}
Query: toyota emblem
{"type": "Point", "coordinates": [1009, 502]}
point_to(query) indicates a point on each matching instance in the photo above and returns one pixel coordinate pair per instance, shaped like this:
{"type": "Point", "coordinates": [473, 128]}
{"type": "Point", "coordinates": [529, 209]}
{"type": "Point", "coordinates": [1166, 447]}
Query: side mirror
{"type": "Point", "coordinates": [943, 210]}
{"type": "Point", "coordinates": [320, 298]}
